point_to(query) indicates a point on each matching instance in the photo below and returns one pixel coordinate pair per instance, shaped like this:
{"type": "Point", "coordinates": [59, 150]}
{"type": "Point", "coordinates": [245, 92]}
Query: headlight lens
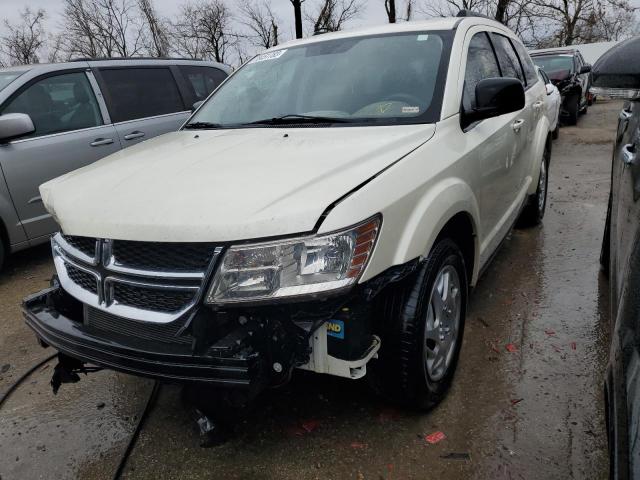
{"type": "Point", "coordinates": [294, 267]}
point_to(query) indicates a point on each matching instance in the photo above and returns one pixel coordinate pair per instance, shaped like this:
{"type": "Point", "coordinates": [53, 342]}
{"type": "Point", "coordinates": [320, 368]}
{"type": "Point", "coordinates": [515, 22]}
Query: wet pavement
{"type": "Point", "coordinates": [533, 412]}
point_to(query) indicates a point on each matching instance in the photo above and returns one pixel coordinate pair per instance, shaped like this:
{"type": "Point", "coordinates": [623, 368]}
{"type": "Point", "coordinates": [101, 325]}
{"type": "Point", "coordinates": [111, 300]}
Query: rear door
{"type": "Point", "coordinates": [143, 102]}
{"type": "Point", "coordinates": [72, 130]}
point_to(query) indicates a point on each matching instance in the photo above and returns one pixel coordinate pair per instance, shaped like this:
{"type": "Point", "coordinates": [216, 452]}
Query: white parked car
{"type": "Point", "coordinates": [328, 207]}
{"type": "Point", "coordinates": [552, 103]}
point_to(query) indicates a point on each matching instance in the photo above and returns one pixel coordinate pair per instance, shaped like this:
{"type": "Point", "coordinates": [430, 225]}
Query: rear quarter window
{"type": "Point", "coordinates": [134, 93]}
{"type": "Point", "coordinates": [201, 81]}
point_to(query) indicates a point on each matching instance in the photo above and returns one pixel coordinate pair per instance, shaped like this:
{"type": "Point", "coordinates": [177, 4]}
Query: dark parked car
{"type": "Point", "coordinates": [570, 73]}
{"type": "Point", "coordinates": [617, 74]}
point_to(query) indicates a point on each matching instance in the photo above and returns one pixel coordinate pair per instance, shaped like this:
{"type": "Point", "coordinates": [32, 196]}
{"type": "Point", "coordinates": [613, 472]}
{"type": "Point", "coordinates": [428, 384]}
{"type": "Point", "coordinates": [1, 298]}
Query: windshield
{"type": "Point", "coordinates": [7, 77]}
{"type": "Point", "coordinates": [553, 64]}
{"type": "Point", "coordinates": [385, 79]}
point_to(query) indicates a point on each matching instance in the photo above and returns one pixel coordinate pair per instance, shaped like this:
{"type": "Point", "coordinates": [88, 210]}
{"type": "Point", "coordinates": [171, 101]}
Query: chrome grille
{"type": "Point", "coordinates": [144, 281]}
{"type": "Point", "coordinates": [159, 332]}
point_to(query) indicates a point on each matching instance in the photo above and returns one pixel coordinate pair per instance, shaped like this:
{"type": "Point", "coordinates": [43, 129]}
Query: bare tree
{"type": "Point", "coordinates": [203, 30]}
{"type": "Point", "coordinates": [390, 7]}
{"type": "Point", "coordinates": [157, 30]}
{"type": "Point", "coordinates": [333, 14]}
{"type": "Point", "coordinates": [263, 24]}
{"type": "Point", "coordinates": [297, 13]}
{"type": "Point", "coordinates": [102, 28]}
{"type": "Point", "coordinates": [24, 39]}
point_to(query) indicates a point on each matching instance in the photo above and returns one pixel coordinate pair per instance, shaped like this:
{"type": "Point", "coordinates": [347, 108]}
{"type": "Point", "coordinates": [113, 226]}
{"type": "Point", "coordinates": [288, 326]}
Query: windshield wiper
{"type": "Point", "coordinates": [202, 125]}
{"type": "Point", "coordinates": [296, 118]}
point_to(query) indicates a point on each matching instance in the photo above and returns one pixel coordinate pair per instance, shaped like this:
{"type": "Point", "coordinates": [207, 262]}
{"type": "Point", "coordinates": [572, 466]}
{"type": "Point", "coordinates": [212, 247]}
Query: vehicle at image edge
{"type": "Point", "coordinates": [280, 229]}
{"type": "Point", "coordinates": [570, 73]}
{"type": "Point", "coordinates": [55, 118]}
{"type": "Point", "coordinates": [617, 76]}
{"type": "Point", "coordinates": [552, 103]}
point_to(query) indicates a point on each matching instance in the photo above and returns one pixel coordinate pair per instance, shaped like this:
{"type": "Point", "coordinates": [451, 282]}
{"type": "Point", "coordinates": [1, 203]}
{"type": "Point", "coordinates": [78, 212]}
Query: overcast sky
{"type": "Point", "coordinates": [373, 13]}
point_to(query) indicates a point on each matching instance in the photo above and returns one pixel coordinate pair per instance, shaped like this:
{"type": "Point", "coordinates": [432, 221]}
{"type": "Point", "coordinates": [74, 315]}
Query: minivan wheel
{"type": "Point", "coordinates": [533, 212]}
{"type": "Point", "coordinates": [422, 322]}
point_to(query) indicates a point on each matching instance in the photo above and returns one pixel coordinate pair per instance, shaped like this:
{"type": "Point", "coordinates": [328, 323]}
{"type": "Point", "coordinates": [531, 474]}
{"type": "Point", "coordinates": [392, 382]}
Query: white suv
{"type": "Point", "coordinates": [327, 208]}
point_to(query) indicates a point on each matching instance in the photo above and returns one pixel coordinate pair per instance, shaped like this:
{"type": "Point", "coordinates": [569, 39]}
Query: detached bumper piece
{"type": "Point", "coordinates": [62, 322]}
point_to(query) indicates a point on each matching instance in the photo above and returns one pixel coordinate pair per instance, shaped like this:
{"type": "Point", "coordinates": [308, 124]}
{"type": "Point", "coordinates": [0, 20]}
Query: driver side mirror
{"type": "Point", "coordinates": [586, 68]}
{"type": "Point", "coordinates": [495, 97]}
{"type": "Point", "coordinates": [15, 125]}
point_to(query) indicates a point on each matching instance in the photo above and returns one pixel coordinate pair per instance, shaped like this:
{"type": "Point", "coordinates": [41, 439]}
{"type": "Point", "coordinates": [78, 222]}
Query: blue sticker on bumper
{"type": "Point", "coordinates": [335, 328]}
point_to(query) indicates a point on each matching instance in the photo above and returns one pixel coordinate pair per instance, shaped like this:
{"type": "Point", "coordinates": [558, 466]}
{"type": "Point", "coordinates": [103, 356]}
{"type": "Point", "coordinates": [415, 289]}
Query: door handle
{"type": "Point", "coordinates": [517, 125]}
{"type": "Point", "coordinates": [629, 154]}
{"type": "Point", "coordinates": [133, 135]}
{"type": "Point", "coordinates": [537, 105]}
{"type": "Point", "coordinates": [101, 141]}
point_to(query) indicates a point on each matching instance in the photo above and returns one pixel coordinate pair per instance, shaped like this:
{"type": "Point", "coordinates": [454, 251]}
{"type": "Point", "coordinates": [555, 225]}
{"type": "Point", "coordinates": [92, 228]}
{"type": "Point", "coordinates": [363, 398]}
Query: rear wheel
{"type": "Point", "coordinates": [533, 213]}
{"type": "Point", "coordinates": [422, 323]}
{"type": "Point", "coordinates": [573, 106]}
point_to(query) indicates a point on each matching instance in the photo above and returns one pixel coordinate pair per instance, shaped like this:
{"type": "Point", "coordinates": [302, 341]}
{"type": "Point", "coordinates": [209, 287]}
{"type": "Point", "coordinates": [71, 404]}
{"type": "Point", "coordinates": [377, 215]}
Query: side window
{"type": "Point", "coordinates": [140, 93]}
{"type": "Point", "coordinates": [481, 64]}
{"type": "Point", "coordinates": [58, 104]}
{"type": "Point", "coordinates": [525, 61]}
{"type": "Point", "coordinates": [509, 62]}
{"type": "Point", "coordinates": [201, 81]}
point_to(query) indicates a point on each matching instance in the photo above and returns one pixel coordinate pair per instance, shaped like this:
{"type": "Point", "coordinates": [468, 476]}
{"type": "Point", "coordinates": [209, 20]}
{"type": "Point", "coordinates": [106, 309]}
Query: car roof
{"type": "Point", "coordinates": [539, 53]}
{"type": "Point", "coordinates": [114, 62]}
{"type": "Point", "coordinates": [443, 23]}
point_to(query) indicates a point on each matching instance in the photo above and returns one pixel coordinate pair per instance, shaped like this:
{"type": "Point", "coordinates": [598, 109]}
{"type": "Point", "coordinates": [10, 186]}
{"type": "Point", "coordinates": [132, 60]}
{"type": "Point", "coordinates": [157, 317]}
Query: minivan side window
{"type": "Point", "coordinates": [526, 62]}
{"type": "Point", "coordinates": [57, 104]}
{"type": "Point", "coordinates": [201, 81]}
{"type": "Point", "coordinates": [134, 93]}
{"type": "Point", "coordinates": [507, 57]}
{"type": "Point", "coordinates": [481, 64]}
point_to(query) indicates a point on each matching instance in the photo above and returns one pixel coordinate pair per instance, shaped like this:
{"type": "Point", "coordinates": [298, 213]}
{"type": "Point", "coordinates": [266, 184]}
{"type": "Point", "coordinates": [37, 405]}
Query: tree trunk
{"type": "Point", "coordinates": [501, 10]}
{"type": "Point", "coordinates": [297, 10]}
{"type": "Point", "coordinates": [390, 7]}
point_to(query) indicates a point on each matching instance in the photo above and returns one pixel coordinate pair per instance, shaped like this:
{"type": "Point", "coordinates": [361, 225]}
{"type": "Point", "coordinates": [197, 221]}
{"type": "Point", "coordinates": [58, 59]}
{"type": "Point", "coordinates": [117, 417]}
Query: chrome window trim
{"type": "Point", "coordinates": [125, 122]}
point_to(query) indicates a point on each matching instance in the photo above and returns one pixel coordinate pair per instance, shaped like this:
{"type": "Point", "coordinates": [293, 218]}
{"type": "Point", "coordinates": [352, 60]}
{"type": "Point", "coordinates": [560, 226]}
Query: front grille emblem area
{"type": "Point", "coordinates": [146, 281]}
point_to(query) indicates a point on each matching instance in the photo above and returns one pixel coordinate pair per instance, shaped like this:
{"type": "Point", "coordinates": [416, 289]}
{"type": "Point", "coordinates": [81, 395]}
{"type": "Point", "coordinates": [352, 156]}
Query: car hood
{"type": "Point", "coordinates": [223, 185]}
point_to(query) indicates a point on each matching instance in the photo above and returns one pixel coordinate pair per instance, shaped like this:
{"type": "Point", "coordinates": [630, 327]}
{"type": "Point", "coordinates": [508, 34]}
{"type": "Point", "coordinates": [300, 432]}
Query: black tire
{"type": "Point", "coordinates": [2, 254]}
{"type": "Point", "coordinates": [605, 250]}
{"type": "Point", "coordinates": [556, 133]}
{"type": "Point", "coordinates": [585, 109]}
{"type": "Point", "coordinates": [573, 106]}
{"type": "Point", "coordinates": [400, 373]}
{"type": "Point", "coordinates": [533, 212]}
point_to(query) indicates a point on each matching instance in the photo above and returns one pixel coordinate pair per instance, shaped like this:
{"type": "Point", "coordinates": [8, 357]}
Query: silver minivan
{"type": "Point", "coordinates": [55, 118]}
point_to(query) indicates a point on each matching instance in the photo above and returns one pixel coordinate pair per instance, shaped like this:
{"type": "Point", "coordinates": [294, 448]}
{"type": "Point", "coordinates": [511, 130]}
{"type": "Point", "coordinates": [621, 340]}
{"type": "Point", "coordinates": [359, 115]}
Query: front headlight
{"type": "Point", "coordinates": [294, 267]}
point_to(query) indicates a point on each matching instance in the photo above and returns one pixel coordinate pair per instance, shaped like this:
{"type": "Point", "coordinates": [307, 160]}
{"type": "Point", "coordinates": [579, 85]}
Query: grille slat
{"type": "Point", "coordinates": [86, 245]}
{"type": "Point", "coordinates": [168, 257]}
{"type": "Point", "coordinates": [83, 279]}
{"type": "Point", "coordinates": [163, 332]}
{"type": "Point", "coordinates": [160, 300]}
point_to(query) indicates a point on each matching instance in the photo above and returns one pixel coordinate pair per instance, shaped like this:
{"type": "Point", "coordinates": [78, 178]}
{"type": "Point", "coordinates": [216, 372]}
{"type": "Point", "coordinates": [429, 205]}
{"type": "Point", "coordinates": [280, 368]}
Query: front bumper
{"type": "Point", "coordinates": [167, 362]}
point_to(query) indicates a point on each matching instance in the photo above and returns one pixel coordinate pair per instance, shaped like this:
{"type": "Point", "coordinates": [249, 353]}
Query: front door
{"type": "Point", "coordinates": [70, 133]}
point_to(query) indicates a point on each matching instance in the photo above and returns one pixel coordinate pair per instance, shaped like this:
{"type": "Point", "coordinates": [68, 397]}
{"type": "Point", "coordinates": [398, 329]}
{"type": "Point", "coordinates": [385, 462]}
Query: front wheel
{"type": "Point", "coordinates": [422, 322]}
{"type": "Point", "coordinates": [573, 107]}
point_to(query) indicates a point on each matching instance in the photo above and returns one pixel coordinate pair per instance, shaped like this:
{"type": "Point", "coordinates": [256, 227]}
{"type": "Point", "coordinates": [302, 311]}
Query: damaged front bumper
{"type": "Point", "coordinates": [57, 322]}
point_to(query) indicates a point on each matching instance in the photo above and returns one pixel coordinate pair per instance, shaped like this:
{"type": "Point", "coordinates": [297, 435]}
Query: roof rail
{"type": "Point", "coordinates": [115, 59]}
{"type": "Point", "coordinates": [471, 13]}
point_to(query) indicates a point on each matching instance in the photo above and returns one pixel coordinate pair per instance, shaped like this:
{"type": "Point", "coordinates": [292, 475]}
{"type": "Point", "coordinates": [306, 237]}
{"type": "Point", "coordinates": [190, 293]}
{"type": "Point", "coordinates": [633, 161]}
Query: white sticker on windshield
{"type": "Point", "coordinates": [269, 56]}
{"type": "Point", "coordinates": [410, 109]}
{"type": "Point", "coordinates": [423, 38]}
